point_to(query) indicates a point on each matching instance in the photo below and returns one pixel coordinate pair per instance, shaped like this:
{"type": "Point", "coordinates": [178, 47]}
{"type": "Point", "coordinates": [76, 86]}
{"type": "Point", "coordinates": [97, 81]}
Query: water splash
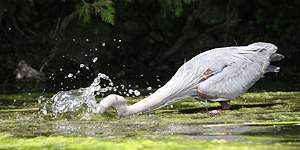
{"type": "Point", "coordinates": [73, 100]}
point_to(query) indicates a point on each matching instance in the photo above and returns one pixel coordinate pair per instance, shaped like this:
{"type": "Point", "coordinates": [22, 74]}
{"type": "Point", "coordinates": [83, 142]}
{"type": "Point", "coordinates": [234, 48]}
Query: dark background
{"type": "Point", "coordinates": [146, 41]}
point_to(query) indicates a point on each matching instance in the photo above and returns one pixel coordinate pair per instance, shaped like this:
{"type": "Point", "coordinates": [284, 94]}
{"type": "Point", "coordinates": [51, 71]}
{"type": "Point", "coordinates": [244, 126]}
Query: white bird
{"type": "Point", "coordinates": [217, 75]}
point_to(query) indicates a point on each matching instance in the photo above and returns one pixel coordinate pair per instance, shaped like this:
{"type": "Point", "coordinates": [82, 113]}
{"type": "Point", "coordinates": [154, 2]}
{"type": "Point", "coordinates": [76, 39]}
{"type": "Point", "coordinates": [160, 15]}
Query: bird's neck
{"type": "Point", "coordinates": [154, 101]}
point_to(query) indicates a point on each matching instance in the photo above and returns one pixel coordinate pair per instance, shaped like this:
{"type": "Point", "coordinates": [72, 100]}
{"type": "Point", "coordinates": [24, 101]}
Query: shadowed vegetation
{"type": "Point", "coordinates": [137, 40]}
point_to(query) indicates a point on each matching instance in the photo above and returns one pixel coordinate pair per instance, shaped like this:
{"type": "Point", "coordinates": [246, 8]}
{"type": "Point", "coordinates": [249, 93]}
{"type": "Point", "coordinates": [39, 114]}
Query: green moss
{"type": "Point", "coordinates": [170, 143]}
{"type": "Point", "coordinates": [255, 121]}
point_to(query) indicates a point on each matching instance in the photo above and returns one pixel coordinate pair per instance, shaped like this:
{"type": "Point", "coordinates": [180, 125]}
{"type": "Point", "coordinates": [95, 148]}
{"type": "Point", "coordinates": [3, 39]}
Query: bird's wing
{"type": "Point", "coordinates": [240, 71]}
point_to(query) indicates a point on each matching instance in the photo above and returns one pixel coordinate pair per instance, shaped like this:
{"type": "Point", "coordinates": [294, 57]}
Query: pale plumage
{"type": "Point", "coordinates": [219, 74]}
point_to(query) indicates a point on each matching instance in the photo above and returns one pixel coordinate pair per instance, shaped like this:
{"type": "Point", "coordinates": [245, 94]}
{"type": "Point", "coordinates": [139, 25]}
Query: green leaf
{"type": "Point", "coordinates": [106, 11]}
{"type": "Point", "coordinates": [85, 13]}
{"type": "Point", "coordinates": [104, 8]}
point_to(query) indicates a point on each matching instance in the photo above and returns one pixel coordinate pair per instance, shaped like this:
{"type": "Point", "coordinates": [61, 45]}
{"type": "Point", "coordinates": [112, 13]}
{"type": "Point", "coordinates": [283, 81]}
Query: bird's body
{"type": "Point", "coordinates": [219, 74]}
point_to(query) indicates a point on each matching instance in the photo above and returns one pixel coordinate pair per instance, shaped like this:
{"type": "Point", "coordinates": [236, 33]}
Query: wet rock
{"type": "Point", "coordinates": [28, 78]}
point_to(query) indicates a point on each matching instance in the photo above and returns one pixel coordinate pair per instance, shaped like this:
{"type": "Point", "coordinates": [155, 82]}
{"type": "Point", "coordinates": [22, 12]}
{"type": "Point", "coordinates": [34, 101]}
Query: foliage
{"type": "Point", "coordinates": [172, 6]}
{"type": "Point", "coordinates": [104, 8]}
{"type": "Point", "coordinates": [158, 34]}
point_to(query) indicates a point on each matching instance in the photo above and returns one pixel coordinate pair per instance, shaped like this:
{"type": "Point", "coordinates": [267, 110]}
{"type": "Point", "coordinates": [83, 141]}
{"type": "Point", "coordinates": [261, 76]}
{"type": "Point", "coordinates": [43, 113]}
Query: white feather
{"type": "Point", "coordinates": [234, 70]}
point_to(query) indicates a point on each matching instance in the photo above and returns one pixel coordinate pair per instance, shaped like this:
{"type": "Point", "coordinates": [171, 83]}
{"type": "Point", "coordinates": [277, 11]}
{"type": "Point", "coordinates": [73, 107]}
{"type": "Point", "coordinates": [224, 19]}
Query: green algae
{"type": "Point", "coordinates": [255, 121]}
{"type": "Point", "coordinates": [170, 143]}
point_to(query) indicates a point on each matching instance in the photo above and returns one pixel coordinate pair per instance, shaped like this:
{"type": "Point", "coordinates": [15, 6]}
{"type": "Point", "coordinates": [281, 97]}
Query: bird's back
{"type": "Point", "coordinates": [241, 67]}
{"type": "Point", "coordinates": [233, 70]}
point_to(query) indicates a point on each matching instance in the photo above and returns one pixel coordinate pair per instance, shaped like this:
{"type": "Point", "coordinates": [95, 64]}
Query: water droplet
{"type": "Point", "coordinates": [149, 88]}
{"type": "Point", "coordinates": [87, 40]}
{"type": "Point", "coordinates": [60, 69]}
{"type": "Point", "coordinates": [70, 75]}
{"type": "Point", "coordinates": [44, 111]}
{"type": "Point", "coordinates": [120, 40]}
{"type": "Point", "coordinates": [130, 91]}
{"type": "Point", "coordinates": [81, 66]}
{"type": "Point", "coordinates": [103, 44]}
{"type": "Point", "coordinates": [95, 59]}
{"type": "Point", "coordinates": [137, 93]}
